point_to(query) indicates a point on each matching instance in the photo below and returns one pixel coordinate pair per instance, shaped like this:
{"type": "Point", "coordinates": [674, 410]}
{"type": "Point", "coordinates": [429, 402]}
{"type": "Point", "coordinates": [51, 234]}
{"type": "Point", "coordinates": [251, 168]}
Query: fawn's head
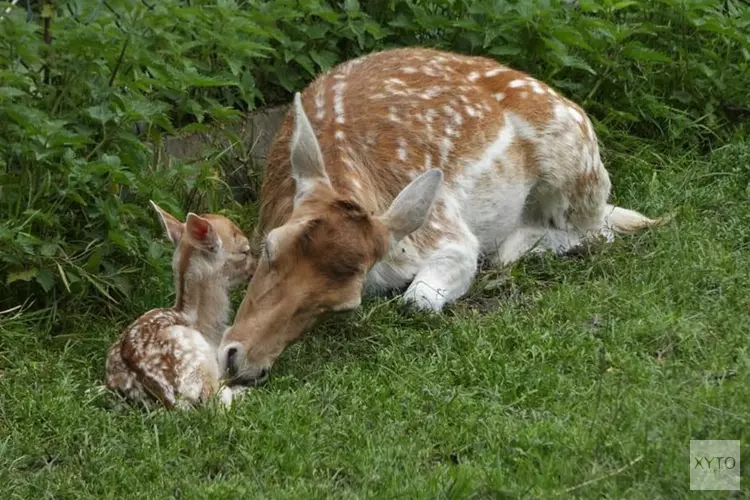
{"type": "Point", "coordinates": [316, 262]}
{"type": "Point", "coordinates": [207, 246]}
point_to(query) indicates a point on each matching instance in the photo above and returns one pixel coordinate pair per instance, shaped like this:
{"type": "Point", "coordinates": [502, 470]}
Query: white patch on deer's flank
{"type": "Point", "coordinates": [517, 84]}
{"type": "Point", "coordinates": [524, 95]}
{"type": "Point", "coordinates": [499, 96]}
{"type": "Point", "coordinates": [471, 111]}
{"type": "Point", "coordinates": [473, 76]}
{"type": "Point", "coordinates": [575, 114]}
{"type": "Point", "coordinates": [536, 88]}
{"type": "Point", "coordinates": [409, 70]}
{"type": "Point", "coordinates": [340, 135]}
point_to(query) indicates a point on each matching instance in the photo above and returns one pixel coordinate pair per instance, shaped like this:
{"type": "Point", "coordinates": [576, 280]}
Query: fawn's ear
{"type": "Point", "coordinates": [202, 233]}
{"type": "Point", "coordinates": [172, 226]}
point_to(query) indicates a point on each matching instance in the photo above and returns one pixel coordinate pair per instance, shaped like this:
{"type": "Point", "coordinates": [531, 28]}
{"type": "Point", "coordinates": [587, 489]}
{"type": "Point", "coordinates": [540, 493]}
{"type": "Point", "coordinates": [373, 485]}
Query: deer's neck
{"type": "Point", "coordinates": [204, 304]}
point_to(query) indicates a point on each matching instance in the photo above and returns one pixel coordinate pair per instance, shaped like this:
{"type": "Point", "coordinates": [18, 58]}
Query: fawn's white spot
{"type": "Point", "coordinates": [499, 96]}
{"type": "Point", "coordinates": [517, 83]}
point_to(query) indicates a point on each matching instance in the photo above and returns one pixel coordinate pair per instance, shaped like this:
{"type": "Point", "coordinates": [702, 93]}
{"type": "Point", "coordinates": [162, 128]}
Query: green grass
{"type": "Point", "coordinates": [549, 375]}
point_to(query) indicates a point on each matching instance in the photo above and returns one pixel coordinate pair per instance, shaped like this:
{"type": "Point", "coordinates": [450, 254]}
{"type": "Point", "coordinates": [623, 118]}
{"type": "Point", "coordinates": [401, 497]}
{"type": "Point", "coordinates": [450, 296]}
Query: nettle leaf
{"type": "Point", "coordinates": [640, 53]}
{"type": "Point", "coordinates": [26, 275]}
{"type": "Point", "coordinates": [100, 113]}
{"type": "Point", "coordinates": [325, 59]}
{"type": "Point", "coordinates": [10, 92]}
{"type": "Point", "coordinates": [46, 279]}
{"type": "Point", "coordinates": [504, 50]}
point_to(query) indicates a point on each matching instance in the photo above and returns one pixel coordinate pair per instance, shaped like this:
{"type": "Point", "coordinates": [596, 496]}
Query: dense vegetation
{"type": "Point", "coordinates": [89, 89]}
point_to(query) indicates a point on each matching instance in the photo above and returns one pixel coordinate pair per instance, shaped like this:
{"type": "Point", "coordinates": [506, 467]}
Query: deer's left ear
{"type": "Point", "coordinates": [308, 168]}
{"type": "Point", "coordinates": [174, 228]}
{"type": "Point", "coordinates": [202, 233]}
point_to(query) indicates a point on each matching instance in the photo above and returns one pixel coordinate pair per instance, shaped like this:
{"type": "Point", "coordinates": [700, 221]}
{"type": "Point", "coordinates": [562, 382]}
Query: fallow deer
{"type": "Point", "coordinates": [401, 169]}
{"type": "Point", "coordinates": [169, 355]}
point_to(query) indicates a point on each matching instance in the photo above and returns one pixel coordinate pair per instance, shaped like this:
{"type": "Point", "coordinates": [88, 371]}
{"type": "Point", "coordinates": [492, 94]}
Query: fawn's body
{"type": "Point", "coordinates": [170, 353]}
{"type": "Point", "coordinates": [401, 169]}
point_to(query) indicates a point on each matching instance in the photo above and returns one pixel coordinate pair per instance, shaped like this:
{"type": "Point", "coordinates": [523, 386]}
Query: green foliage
{"type": "Point", "coordinates": [85, 103]}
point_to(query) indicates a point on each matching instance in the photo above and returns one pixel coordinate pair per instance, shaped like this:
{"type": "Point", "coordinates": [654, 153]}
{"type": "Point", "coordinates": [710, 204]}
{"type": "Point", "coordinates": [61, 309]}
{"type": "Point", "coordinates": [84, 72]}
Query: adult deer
{"type": "Point", "coordinates": [411, 164]}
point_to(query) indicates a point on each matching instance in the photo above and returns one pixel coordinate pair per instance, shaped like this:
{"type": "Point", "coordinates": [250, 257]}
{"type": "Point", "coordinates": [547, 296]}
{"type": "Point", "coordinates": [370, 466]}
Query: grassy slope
{"type": "Point", "coordinates": [550, 374]}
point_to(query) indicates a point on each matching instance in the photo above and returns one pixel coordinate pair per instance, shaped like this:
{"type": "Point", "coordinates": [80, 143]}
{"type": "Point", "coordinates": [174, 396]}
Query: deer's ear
{"type": "Point", "coordinates": [308, 168]}
{"type": "Point", "coordinates": [202, 233]}
{"type": "Point", "coordinates": [412, 206]}
{"type": "Point", "coordinates": [174, 228]}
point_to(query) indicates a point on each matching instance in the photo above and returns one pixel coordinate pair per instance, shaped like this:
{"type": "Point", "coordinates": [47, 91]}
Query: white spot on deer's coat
{"type": "Point", "coordinates": [471, 111]}
{"type": "Point", "coordinates": [524, 94]}
{"type": "Point", "coordinates": [338, 101]}
{"type": "Point", "coordinates": [499, 96]}
{"type": "Point", "coordinates": [409, 70]}
{"type": "Point", "coordinates": [464, 99]}
{"type": "Point", "coordinates": [495, 71]}
{"type": "Point", "coordinates": [402, 148]}
{"type": "Point", "coordinates": [320, 103]}
{"type": "Point", "coordinates": [473, 76]}
{"type": "Point", "coordinates": [340, 135]}
{"type": "Point", "coordinates": [536, 88]}
{"type": "Point", "coordinates": [517, 83]}
{"type": "Point", "coordinates": [427, 161]}
{"type": "Point", "coordinates": [445, 149]}
{"type": "Point", "coordinates": [392, 114]}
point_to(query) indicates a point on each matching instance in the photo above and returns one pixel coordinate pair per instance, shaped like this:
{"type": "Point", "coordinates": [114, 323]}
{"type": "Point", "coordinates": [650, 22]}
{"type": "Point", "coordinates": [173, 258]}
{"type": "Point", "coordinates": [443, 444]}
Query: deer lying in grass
{"type": "Point", "coordinates": [416, 163]}
{"type": "Point", "coordinates": [170, 354]}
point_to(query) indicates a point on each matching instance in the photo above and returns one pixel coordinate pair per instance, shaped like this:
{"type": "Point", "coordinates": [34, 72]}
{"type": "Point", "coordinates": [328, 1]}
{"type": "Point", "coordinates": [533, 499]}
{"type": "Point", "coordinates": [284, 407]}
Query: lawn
{"type": "Point", "coordinates": [583, 377]}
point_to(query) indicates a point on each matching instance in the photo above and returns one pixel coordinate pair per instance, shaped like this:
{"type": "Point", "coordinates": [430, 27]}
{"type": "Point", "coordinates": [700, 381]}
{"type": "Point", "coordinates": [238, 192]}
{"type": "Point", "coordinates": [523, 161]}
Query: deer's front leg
{"type": "Point", "coordinates": [447, 273]}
